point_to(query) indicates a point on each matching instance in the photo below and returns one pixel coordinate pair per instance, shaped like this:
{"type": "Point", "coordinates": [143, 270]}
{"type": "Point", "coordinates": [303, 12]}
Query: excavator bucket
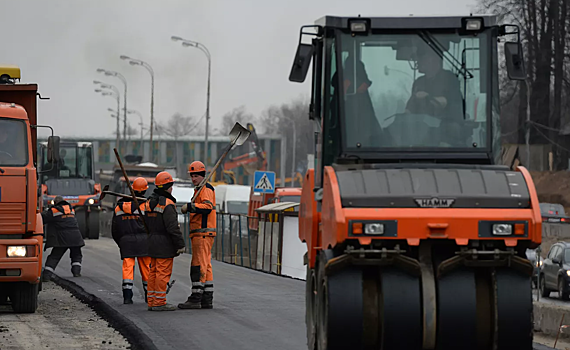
{"type": "Point", "coordinates": [238, 135]}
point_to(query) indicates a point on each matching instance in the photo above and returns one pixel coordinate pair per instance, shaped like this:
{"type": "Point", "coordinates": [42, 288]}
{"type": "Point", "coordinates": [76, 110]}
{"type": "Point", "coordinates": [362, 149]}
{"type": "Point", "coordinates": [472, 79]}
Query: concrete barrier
{"type": "Point", "coordinates": [547, 318]}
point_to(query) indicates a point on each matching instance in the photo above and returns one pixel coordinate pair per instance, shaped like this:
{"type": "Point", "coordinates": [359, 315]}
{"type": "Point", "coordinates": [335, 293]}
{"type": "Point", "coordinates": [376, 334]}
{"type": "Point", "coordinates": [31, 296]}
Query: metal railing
{"type": "Point", "coordinates": [235, 240]}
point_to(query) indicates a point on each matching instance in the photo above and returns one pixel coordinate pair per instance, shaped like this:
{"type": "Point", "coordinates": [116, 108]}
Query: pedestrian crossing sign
{"type": "Point", "coordinates": [264, 182]}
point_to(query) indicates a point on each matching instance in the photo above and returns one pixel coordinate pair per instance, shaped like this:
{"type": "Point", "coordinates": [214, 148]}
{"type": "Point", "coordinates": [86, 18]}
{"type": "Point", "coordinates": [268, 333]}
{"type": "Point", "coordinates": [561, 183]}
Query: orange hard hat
{"type": "Point", "coordinates": [162, 179]}
{"type": "Point", "coordinates": [196, 167]}
{"type": "Point", "coordinates": [140, 184]}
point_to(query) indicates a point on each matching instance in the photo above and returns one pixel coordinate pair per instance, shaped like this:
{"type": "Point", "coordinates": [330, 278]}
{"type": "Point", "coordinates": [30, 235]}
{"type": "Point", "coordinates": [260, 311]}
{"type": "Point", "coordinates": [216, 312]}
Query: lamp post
{"type": "Point", "coordinates": [136, 62]}
{"type": "Point", "coordinates": [204, 49]}
{"type": "Point", "coordinates": [116, 91]}
{"type": "Point", "coordinates": [117, 96]}
{"type": "Point", "coordinates": [122, 78]}
{"type": "Point", "coordinates": [130, 111]}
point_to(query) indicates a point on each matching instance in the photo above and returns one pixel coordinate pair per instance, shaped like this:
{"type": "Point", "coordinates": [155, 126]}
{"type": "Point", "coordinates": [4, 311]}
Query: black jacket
{"type": "Point", "coordinates": [162, 219]}
{"type": "Point", "coordinates": [62, 228]}
{"type": "Point", "coordinates": [128, 230]}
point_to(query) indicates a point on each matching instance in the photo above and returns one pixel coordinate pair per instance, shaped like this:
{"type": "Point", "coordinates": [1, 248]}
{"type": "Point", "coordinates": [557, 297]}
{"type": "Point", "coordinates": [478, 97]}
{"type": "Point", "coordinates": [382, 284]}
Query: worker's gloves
{"type": "Point", "coordinates": [188, 208]}
{"type": "Point", "coordinates": [180, 251]}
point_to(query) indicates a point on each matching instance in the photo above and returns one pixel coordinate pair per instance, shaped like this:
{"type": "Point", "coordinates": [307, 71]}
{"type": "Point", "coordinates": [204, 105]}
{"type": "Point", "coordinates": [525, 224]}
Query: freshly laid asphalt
{"type": "Point", "coordinates": [252, 310]}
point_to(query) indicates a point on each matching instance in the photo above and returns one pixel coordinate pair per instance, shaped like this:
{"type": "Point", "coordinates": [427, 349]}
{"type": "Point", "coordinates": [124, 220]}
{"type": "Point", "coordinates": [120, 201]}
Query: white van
{"type": "Point", "coordinates": [233, 199]}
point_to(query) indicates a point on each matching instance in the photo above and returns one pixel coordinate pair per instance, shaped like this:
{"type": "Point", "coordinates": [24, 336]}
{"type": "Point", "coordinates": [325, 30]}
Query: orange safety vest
{"type": "Point", "coordinates": [203, 221]}
{"type": "Point", "coordinates": [67, 211]}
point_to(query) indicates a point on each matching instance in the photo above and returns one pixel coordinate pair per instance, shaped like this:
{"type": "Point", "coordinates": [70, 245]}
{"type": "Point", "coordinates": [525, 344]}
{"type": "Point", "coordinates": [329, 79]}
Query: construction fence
{"type": "Point", "coordinates": [268, 242]}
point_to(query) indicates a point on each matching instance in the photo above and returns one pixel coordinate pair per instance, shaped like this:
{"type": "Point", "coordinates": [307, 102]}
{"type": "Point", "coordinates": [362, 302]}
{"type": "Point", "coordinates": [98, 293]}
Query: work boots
{"type": "Point", "coordinates": [208, 300]}
{"type": "Point", "coordinates": [76, 271]}
{"type": "Point", "coordinates": [194, 302]}
{"type": "Point", "coordinates": [127, 296]}
{"type": "Point", "coordinates": [165, 307]}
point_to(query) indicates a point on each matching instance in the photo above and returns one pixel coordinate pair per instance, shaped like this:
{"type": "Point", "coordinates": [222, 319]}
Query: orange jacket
{"type": "Point", "coordinates": [203, 220]}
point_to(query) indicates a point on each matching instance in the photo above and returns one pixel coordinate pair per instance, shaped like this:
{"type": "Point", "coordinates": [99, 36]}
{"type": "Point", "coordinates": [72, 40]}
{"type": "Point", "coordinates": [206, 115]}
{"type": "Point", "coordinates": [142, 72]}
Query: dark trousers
{"type": "Point", "coordinates": [57, 253]}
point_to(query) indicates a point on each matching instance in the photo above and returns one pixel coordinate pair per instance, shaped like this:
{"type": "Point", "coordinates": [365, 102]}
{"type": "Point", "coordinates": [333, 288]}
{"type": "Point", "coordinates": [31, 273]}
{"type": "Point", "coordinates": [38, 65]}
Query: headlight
{"type": "Point", "coordinates": [540, 263]}
{"type": "Point", "coordinates": [374, 229]}
{"type": "Point", "coordinates": [18, 251]}
{"type": "Point", "coordinates": [568, 273]}
{"type": "Point", "coordinates": [91, 201]}
{"type": "Point", "coordinates": [51, 202]}
{"type": "Point", "coordinates": [502, 229]}
{"type": "Point", "coordinates": [473, 24]}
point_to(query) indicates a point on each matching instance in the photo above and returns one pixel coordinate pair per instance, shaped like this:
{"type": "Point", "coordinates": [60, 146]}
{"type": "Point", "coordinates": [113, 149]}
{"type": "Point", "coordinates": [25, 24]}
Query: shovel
{"type": "Point", "coordinates": [106, 192]}
{"type": "Point", "coordinates": [238, 135]}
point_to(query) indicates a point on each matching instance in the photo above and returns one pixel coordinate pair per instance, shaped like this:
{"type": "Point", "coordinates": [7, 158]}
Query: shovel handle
{"type": "Point", "coordinates": [134, 197]}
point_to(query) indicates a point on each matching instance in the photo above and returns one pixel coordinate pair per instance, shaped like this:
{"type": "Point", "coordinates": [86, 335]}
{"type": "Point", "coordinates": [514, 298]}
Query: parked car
{"type": "Point", "coordinates": [555, 272]}
{"type": "Point", "coordinates": [553, 212]}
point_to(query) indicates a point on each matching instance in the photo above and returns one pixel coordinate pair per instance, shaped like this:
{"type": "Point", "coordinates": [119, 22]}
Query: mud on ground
{"type": "Point", "coordinates": [553, 187]}
{"type": "Point", "coordinates": [60, 322]}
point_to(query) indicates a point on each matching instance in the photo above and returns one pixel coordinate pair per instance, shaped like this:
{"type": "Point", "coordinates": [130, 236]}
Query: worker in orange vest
{"type": "Point", "coordinates": [62, 234]}
{"type": "Point", "coordinates": [129, 233]}
{"type": "Point", "coordinates": [202, 233]}
{"type": "Point", "coordinates": [165, 240]}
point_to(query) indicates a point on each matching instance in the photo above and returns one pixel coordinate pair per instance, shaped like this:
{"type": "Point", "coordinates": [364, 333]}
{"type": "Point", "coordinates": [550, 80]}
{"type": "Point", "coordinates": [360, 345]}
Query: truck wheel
{"type": "Point", "coordinates": [81, 217]}
{"type": "Point", "coordinates": [93, 225]}
{"type": "Point", "coordinates": [4, 297]}
{"type": "Point", "coordinates": [311, 309]}
{"type": "Point", "coordinates": [25, 298]}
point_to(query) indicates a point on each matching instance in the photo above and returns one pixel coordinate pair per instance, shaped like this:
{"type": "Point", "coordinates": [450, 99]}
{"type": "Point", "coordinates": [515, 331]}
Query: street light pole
{"type": "Point", "coordinates": [204, 49]}
{"type": "Point", "coordinates": [136, 62]}
{"type": "Point", "coordinates": [115, 94]}
{"type": "Point", "coordinates": [122, 78]}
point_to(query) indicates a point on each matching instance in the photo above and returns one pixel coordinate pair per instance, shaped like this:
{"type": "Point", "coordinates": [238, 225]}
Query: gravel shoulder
{"type": "Point", "coordinates": [60, 322]}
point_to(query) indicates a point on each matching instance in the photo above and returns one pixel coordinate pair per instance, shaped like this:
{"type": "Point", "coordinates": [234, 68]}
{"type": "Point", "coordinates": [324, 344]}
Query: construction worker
{"type": "Point", "coordinates": [437, 92]}
{"type": "Point", "coordinates": [164, 242]}
{"type": "Point", "coordinates": [62, 234]}
{"type": "Point", "coordinates": [130, 235]}
{"type": "Point", "coordinates": [202, 233]}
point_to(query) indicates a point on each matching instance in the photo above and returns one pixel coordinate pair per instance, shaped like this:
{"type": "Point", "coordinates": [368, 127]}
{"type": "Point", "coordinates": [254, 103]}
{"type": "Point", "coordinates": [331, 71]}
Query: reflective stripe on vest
{"type": "Point", "coordinates": [67, 210]}
{"type": "Point", "coordinates": [203, 230]}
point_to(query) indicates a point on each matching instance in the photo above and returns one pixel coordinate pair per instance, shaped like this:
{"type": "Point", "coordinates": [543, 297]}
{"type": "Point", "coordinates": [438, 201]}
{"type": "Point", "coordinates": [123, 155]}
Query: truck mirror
{"type": "Point", "coordinates": [53, 149]}
{"type": "Point", "coordinates": [515, 61]}
{"type": "Point", "coordinates": [301, 63]}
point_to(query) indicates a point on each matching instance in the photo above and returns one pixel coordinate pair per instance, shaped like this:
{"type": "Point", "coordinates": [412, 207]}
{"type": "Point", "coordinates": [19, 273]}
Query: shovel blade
{"type": "Point", "coordinates": [103, 193]}
{"type": "Point", "coordinates": [239, 134]}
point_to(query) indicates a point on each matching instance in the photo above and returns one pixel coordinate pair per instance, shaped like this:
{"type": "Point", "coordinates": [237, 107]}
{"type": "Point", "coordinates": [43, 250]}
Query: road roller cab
{"type": "Point", "coordinates": [416, 234]}
{"type": "Point", "coordinates": [73, 177]}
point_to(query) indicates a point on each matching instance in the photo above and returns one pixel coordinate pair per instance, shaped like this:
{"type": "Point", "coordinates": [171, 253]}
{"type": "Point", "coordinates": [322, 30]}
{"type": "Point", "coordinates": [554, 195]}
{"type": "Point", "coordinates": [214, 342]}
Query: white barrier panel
{"type": "Point", "coordinates": [293, 249]}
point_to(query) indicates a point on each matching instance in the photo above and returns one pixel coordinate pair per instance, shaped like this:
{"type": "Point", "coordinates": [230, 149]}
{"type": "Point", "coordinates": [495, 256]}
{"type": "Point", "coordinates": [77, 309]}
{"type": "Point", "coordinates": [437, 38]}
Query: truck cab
{"type": "Point", "coordinates": [21, 225]}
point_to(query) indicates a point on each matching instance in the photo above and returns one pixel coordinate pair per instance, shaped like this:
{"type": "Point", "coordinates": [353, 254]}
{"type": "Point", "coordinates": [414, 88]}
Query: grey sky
{"type": "Point", "coordinates": [60, 44]}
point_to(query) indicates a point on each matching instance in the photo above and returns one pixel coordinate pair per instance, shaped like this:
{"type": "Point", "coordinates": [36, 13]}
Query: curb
{"type": "Point", "coordinates": [134, 335]}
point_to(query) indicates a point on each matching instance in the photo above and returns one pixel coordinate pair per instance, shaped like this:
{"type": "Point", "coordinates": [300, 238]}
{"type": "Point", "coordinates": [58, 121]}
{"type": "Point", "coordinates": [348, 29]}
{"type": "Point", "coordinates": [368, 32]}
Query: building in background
{"type": "Point", "coordinates": [181, 152]}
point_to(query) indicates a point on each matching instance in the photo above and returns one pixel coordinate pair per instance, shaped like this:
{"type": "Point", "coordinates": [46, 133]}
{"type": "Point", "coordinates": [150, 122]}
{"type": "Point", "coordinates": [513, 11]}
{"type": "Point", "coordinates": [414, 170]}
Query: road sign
{"type": "Point", "coordinates": [264, 182]}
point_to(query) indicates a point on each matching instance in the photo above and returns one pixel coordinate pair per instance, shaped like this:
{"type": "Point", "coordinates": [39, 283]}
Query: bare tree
{"type": "Point", "coordinates": [544, 26]}
{"type": "Point", "coordinates": [284, 120]}
{"type": "Point", "coordinates": [177, 126]}
{"type": "Point", "coordinates": [238, 114]}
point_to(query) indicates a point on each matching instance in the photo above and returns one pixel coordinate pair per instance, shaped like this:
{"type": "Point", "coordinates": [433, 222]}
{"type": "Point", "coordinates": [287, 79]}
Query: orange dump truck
{"type": "Point", "coordinates": [21, 226]}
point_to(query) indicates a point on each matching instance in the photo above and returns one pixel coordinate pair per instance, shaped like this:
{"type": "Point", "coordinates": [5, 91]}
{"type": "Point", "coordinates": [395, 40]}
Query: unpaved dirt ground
{"type": "Point", "coordinates": [553, 187]}
{"type": "Point", "coordinates": [60, 322]}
